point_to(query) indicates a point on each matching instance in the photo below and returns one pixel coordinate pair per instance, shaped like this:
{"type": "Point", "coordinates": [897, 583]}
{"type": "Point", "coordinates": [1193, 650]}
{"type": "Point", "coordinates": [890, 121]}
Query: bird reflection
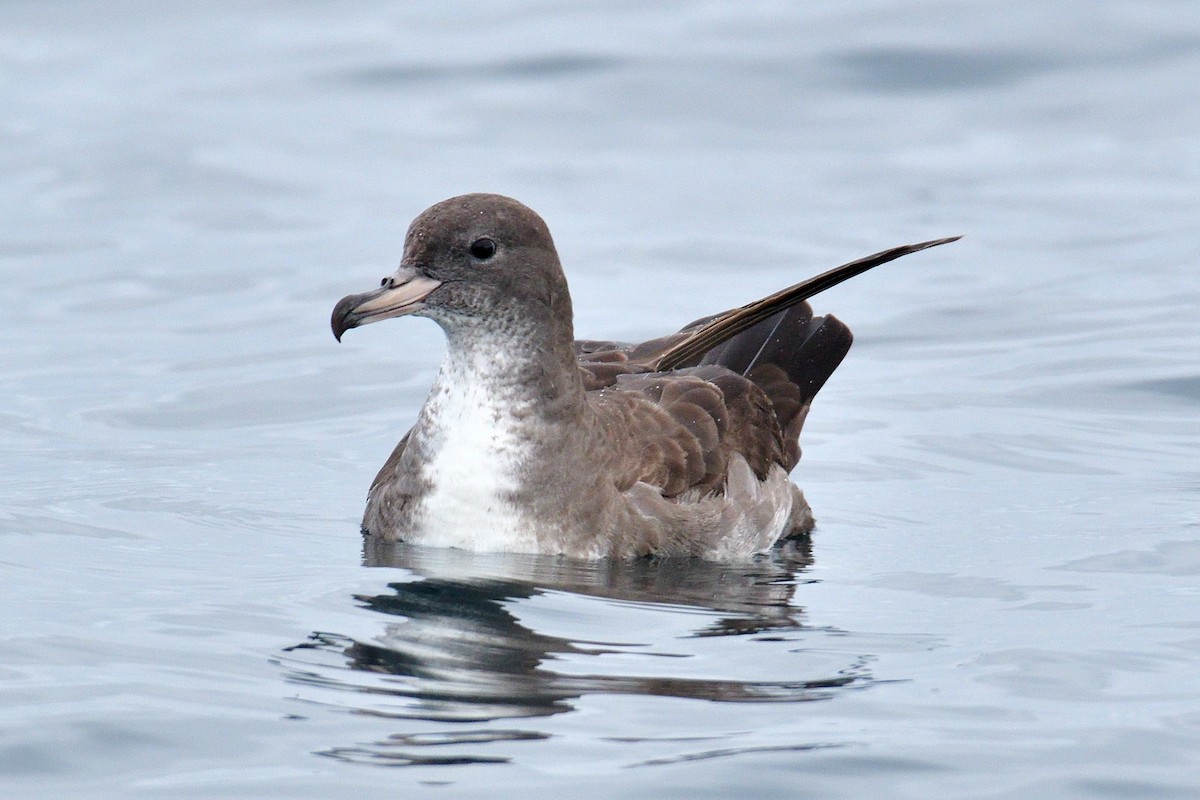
{"type": "Point", "coordinates": [756, 594]}
{"type": "Point", "coordinates": [455, 646]}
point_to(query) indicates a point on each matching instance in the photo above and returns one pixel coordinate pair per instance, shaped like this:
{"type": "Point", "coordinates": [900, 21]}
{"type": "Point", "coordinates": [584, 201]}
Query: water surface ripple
{"type": "Point", "coordinates": [1001, 598]}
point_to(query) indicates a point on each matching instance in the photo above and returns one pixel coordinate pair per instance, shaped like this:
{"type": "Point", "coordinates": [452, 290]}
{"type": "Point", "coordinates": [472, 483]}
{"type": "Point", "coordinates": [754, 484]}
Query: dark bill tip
{"type": "Point", "coordinates": [344, 318]}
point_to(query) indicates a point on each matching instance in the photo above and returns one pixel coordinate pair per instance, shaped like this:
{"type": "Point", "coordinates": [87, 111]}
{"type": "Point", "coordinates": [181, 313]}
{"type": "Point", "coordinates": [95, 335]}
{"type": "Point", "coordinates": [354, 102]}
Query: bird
{"type": "Point", "coordinates": [531, 441]}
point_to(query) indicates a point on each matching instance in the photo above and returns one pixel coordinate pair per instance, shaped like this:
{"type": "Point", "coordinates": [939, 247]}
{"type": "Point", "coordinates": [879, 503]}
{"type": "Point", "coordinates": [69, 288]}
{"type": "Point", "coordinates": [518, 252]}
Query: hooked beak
{"type": "Point", "coordinates": [401, 294]}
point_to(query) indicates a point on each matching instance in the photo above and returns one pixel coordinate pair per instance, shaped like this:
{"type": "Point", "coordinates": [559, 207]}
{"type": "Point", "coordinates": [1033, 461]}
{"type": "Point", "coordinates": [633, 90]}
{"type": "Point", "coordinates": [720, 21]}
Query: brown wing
{"type": "Point", "coordinates": [741, 381]}
{"type": "Point", "coordinates": [756, 387]}
{"type": "Point", "coordinates": [678, 430]}
{"type": "Point", "coordinates": [387, 473]}
{"type": "Point", "coordinates": [603, 362]}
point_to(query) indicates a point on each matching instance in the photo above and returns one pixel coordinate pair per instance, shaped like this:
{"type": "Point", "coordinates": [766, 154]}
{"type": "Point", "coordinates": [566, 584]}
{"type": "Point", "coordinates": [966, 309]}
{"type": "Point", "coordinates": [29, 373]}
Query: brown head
{"type": "Point", "coordinates": [473, 260]}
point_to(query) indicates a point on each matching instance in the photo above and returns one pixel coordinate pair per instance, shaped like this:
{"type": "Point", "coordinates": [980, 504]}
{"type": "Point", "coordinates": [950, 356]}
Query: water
{"type": "Point", "coordinates": [1002, 595]}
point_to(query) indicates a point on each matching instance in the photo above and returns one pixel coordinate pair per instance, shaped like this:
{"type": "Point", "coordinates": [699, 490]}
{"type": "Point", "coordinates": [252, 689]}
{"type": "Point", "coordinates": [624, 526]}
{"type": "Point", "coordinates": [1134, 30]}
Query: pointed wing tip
{"type": "Point", "coordinates": [801, 291]}
{"type": "Point", "coordinates": [936, 242]}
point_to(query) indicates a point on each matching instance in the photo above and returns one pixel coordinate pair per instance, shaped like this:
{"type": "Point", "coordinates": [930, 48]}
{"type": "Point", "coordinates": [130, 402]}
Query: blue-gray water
{"type": "Point", "coordinates": [1003, 594]}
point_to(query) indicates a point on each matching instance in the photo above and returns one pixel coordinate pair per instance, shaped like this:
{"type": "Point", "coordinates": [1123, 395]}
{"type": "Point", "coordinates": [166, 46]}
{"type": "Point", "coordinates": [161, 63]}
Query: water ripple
{"type": "Point", "coordinates": [476, 639]}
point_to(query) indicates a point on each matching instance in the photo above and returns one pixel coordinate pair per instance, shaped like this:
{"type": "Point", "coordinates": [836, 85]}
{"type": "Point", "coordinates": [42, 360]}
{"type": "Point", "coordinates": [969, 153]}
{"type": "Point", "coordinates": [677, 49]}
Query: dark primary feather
{"type": "Point", "coordinates": [722, 327]}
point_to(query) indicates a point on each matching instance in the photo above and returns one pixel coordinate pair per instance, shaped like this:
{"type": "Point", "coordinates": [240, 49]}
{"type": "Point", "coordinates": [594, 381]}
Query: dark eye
{"type": "Point", "coordinates": [483, 249]}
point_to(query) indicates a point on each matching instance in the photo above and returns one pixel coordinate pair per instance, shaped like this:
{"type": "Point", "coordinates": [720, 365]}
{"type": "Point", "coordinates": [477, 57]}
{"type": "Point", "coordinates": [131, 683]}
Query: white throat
{"type": "Point", "coordinates": [471, 434]}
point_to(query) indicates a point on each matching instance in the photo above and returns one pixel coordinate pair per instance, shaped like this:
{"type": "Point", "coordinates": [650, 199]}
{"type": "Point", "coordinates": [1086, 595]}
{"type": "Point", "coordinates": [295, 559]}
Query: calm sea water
{"type": "Point", "coordinates": [1002, 599]}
